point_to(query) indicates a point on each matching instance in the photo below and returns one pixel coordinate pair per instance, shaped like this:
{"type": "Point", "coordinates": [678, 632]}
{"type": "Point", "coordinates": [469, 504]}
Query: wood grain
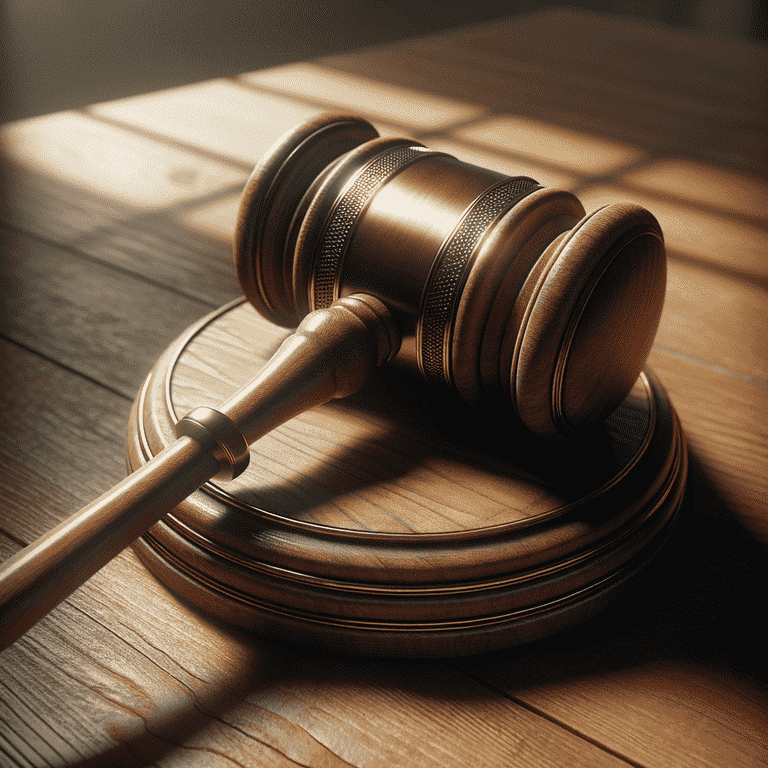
{"type": "Point", "coordinates": [240, 123]}
{"type": "Point", "coordinates": [365, 96]}
{"type": "Point", "coordinates": [94, 319]}
{"type": "Point", "coordinates": [124, 674]}
{"type": "Point", "coordinates": [174, 685]}
{"type": "Point", "coordinates": [676, 91]}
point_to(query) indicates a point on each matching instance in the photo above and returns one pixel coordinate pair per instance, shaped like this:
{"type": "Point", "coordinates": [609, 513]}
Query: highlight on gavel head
{"type": "Point", "coordinates": [498, 284]}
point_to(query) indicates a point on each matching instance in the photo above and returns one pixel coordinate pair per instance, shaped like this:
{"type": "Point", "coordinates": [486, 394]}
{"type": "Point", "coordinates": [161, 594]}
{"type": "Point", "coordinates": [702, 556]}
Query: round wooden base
{"type": "Point", "coordinates": [400, 521]}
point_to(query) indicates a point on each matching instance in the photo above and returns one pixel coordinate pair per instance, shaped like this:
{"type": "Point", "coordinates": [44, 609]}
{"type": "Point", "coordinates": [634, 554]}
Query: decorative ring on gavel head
{"type": "Point", "coordinates": [498, 284]}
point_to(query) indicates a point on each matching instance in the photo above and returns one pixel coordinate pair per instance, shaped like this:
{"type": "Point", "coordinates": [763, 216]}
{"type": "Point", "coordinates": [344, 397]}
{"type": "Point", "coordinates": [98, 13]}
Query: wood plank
{"type": "Point", "coordinates": [138, 225]}
{"type": "Point", "coordinates": [240, 124]}
{"type": "Point", "coordinates": [56, 210]}
{"type": "Point", "coordinates": [723, 417]}
{"type": "Point", "coordinates": [86, 316]}
{"type": "Point", "coordinates": [365, 96]}
{"type": "Point", "coordinates": [64, 442]}
{"type": "Point", "coordinates": [214, 221]}
{"type": "Point", "coordinates": [741, 194]}
{"type": "Point", "coordinates": [701, 301]}
{"type": "Point", "coordinates": [587, 47]}
{"type": "Point", "coordinates": [157, 245]}
{"type": "Point", "coordinates": [587, 79]}
{"type": "Point", "coordinates": [171, 251]}
{"type": "Point", "coordinates": [550, 143]}
{"type": "Point", "coordinates": [693, 233]}
{"type": "Point", "coordinates": [111, 163]}
{"type": "Point", "coordinates": [608, 111]}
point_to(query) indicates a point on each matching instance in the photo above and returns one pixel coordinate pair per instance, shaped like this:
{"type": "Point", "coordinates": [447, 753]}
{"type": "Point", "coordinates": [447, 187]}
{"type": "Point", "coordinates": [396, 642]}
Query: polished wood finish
{"type": "Point", "coordinates": [96, 286]}
{"type": "Point", "coordinates": [36, 579]}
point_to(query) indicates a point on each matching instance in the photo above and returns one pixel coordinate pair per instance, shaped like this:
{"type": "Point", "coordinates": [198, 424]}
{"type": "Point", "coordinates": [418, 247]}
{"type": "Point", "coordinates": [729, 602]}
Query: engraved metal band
{"type": "Point", "coordinates": [347, 209]}
{"type": "Point", "coordinates": [449, 273]}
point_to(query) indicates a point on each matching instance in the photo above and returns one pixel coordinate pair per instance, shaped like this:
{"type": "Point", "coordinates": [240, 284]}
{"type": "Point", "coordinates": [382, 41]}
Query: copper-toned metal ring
{"type": "Point", "coordinates": [449, 273]}
{"type": "Point", "coordinates": [214, 429]}
{"type": "Point", "coordinates": [346, 210]}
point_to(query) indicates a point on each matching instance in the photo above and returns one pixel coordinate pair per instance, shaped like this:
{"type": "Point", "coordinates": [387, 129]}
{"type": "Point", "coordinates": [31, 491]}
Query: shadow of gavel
{"type": "Point", "coordinates": [493, 286]}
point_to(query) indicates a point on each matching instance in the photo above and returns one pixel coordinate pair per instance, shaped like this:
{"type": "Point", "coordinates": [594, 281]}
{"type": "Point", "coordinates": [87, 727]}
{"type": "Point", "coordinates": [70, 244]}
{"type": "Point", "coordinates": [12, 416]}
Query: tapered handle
{"type": "Point", "coordinates": [330, 355]}
{"type": "Point", "coordinates": [40, 576]}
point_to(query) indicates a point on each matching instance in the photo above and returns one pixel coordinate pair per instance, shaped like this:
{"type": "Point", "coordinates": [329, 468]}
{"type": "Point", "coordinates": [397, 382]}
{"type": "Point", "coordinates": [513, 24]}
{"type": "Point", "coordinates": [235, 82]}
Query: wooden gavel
{"type": "Point", "coordinates": [493, 286]}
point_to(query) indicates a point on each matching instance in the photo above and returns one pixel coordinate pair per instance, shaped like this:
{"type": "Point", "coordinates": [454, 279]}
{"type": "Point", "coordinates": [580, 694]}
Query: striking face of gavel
{"type": "Point", "coordinates": [498, 285]}
{"type": "Point", "coordinates": [492, 285]}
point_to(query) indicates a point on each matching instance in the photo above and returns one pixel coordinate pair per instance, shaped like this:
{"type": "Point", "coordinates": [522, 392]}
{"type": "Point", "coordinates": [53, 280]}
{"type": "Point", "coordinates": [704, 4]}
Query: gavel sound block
{"type": "Point", "coordinates": [508, 474]}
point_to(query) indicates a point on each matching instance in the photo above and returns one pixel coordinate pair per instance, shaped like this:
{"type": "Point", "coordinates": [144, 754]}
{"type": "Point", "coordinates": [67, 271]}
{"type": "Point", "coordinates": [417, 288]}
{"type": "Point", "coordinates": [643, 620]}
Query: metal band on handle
{"type": "Point", "coordinates": [220, 434]}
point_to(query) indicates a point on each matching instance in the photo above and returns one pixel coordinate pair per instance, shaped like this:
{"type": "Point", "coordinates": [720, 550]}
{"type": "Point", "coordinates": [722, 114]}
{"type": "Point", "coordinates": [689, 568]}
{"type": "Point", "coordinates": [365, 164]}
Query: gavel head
{"type": "Point", "coordinates": [499, 285]}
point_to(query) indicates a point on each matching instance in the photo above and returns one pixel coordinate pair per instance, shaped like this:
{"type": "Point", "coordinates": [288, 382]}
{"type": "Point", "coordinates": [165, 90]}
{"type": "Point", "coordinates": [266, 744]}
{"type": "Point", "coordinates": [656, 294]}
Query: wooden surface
{"type": "Point", "coordinates": [115, 224]}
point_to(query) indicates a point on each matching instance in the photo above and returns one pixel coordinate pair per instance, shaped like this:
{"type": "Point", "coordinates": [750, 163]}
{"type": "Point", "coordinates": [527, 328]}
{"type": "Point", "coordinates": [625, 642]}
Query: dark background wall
{"type": "Point", "coordinates": [59, 54]}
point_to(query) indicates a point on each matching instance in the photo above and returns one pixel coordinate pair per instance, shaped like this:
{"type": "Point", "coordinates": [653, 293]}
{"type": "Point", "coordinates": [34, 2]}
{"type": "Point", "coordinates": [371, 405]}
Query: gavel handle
{"type": "Point", "coordinates": [331, 354]}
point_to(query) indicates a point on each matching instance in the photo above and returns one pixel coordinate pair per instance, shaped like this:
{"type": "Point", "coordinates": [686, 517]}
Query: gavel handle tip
{"type": "Point", "coordinates": [40, 576]}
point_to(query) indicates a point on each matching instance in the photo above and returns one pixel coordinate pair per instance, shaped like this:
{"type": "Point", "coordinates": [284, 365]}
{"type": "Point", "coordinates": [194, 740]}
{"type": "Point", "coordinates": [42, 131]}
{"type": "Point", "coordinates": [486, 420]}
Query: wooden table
{"type": "Point", "coordinates": [116, 223]}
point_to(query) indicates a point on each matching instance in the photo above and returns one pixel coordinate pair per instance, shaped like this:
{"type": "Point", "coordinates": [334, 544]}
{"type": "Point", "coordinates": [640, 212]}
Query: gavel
{"type": "Point", "coordinates": [491, 286]}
